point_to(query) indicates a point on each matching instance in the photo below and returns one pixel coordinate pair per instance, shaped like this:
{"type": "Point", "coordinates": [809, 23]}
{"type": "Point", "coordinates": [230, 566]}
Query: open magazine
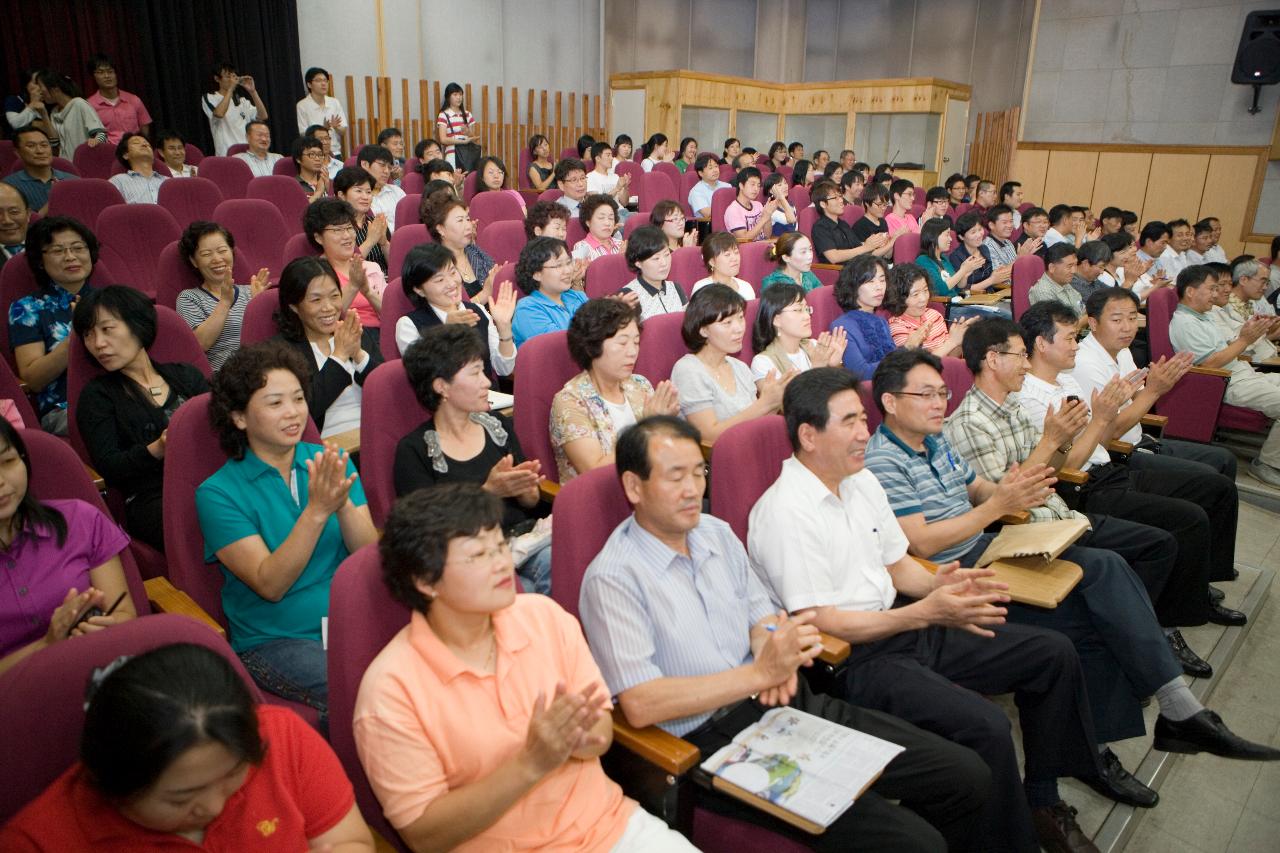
{"type": "Point", "coordinates": [800, 768]}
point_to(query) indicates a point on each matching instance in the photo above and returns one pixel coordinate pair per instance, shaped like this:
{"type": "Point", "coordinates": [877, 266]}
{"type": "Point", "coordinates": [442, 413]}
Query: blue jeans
{"type": "Point", "coordinates": [291, 668]}
{"type": "Point", "coordinates": [535, 572]}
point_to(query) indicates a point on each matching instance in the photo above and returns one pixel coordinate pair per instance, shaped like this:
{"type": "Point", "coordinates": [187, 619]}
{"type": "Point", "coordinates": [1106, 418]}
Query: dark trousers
{"type": "Point", "coordinates": [1218, 493]}
{"type": "Point", "coordinates": [941, 786]}
{"type": "Point", "coordinates": [1110, 620]}
{"type": "Point", "coordinates": [144, 518]}
{"type": "Point", "coordinates": [935, 679]}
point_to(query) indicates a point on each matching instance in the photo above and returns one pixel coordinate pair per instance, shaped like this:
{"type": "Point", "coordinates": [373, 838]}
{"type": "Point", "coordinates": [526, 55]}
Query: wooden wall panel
{"type": "Point", "coordinates": [1030, 168]}
{"type": "Point", "coordinates": [1069, 179]}
{"type": "Point", "coordinates": [1121, 180]}
{"type": "Point", "coordinates": [1174, 186]}
{"type": "Point", "coordinates": [1227, 175]}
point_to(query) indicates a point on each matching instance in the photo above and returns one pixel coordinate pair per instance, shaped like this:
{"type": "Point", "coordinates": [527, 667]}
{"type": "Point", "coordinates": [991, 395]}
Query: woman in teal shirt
{"type": "Point", "coordinates": [793, 254]}
{"type": "Point", "coordinates": [279, 517]}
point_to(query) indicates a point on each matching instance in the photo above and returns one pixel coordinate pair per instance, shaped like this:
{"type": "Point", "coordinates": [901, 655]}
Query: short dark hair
{"type": "Point", "coordinates": [1007, 188]}
{"type": "Point", "coordinates": [1111, 213]}
{"type": "Point", "coordinates": [40, 236]}
{"type": "Point", "coordinates": [433, 167]}
{"type": "Point", "coordinates": [800, 172]}
{"type": "Point", "coordinates": [966, 221]}
{"type": "Point", "coordinates": [1097, 301]}
{"type": "Point", "coordinates": [1041, 321]}
{"type": "Point", "coordinates": [296, 276]}
{"type": "Point", "coordinates": [166, 134]}
{"type": "Point", "coordinates": [189, 242]}
{"type": "Point", "coordinates": [891, 375]}
{"type": "Point", "coordinates": [1095, 252]}
{"type": "Point", "coordinates": [874, 192]}
{"type": "Point", "coordinates": [645, 242]}
{"type": "Point", "coordinates": [440, 353]}
{"type": "Point", "coordinates": [745, 174]}
{"type": "Point", "coordinates": [664, 208]}
{"type": "Point", "coordinates": [1204, 226]}
{"type": "Point", "coordinates": [716, 244]}
{"type": "Point", "coordinates": [1033, 212]}
{"type": "Point", "coordinates": [1058, 213]}
{"type": "Point", "coordinates": [422, 263]}
{"type": "Point", "coordinates": [567, 167]}
{"type": "Point", "coordinates": [242, 375]}
{"type": "Point", "coordinates": [593, 202]}
{"type": "Point", "coordinates": [1177, 223]}
{"type": "Point", "coordinates": [251, 122]}
{"type": "Point", "coordinates": [351, 176]}
{"type": "Point", "coordinates": [1117, 241]}
{"type": "Point", "coordinates": [31, 513]}
{"type": "Point", "coordinates": [533, 257]}
{"type": "Point", "coordinates": [1191, 276]}
{"type": "Point", "coordinates": [1057, 252]}
{"type": "Point", "coordinates": [899, 186]}
{"type": "Point", "coordinates": [325, 213]}
{"type": "Point", "coordinates": [415, 541]}
{"type": "Point", "coordinates": [542, 212]}
{"type": "Point", "coordinates": [157, 705]}
{"type": "Point", "coordinates": [436, 208]}
{"type": "Point", "coordinates": [996, 211]}
{"type": "Point", "coordinates": [534, 141]}
{"type": "Point", "coordinates": [389, 133]}
{"type": "Point", "coordinates": [710, 304]}
{"type": "Point", "coordinates": [900, 279]}
{"type": "Point", "coordinates": [857, 272]}
{"type": "Point", "coordinates": [851, 177]}
{"type": "Point", "coordinates": [480, 167]}
{"type": "Point", "coordinates": [98, 60]}
{"type": "Point", "coordinates": [122, 149]}
{"type": "Point", "coordinates": [130, 306]}
{"type": "Point", "coordinates": [985, 335]}
{"type": "Point", "coordinates": [313, 73]}
{"type": "Point", "coordinates": [935, 194]}
{"type": "Point", "coordinates": [420, 147]}
{"type": "Point", "coordinates": [793, 146]}
{"type": "Point", "coordinates": [807, 399]}
{"type": "Point", "coordinates": [703, 159]}
{"type": "Point", "coordinates": [1128, 217]}
{"type": "Point", "coordinates": [1153, 231]}
{"type": "Point", "coordinates": [594, 323]}
{"type": "Point", "coordinates": [585, 142]}
{"type": "Point", "coordinates": [302, 145]}
{"type": "Point", "coordinates": [773, 301]}
{"type": "Point", "coordinates": [599, 148]}
{"type": "Point", "coordinates": [375, 154]}
{"type": "Point", "coordinates": [631, 453]}
{"type": "Point", "coordinates": [951, 179]}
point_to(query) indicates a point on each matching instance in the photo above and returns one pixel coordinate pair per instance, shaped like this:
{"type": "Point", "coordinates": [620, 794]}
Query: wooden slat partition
{"type": "Point", "coordinates": [994, 141]}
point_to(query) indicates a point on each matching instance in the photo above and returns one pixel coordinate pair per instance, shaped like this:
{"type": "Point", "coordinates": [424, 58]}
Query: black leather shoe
{"type": "Point", "coordinates": [1216, 595]}
{"type": "Point", "coordinates": [1057, 830]}
{"type": "Point", "coordinates": [1116, 783]}
{"type": "Point", "coordinates": [1205, 732]}
{"type": "Point", "coordinates": [1192, 664]}
{"type": "Point", "coordinates": [1220, 615]}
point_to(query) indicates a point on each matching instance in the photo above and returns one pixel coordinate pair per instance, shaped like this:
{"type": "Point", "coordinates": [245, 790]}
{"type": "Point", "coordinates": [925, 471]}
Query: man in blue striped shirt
{"type": "Point", "coordinates": [686, 639]}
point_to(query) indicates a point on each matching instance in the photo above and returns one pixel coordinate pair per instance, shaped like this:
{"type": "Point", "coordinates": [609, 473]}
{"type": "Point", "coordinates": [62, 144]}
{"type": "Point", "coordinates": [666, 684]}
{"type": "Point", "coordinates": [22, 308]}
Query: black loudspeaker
{"type": "Point", "coordinates": [1258, 56]}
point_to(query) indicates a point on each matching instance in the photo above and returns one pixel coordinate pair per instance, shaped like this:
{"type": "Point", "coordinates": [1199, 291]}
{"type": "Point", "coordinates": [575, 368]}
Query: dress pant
{"type": "Point", "coordinates": [1109, 618]}
{"type": "Point", "coordinates": [1260, 391]}
{"type": "Point", "coordinates": [941, 786]}
{"type": "Point", "coordinates": [937, 679]}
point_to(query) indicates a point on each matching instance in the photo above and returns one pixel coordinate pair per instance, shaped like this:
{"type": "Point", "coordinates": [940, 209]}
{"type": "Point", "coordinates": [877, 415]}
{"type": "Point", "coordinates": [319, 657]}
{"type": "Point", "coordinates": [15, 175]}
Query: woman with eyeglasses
{"type": "Point", "coordinates": [912, 323]}
{"type": "Point", "coordinates": [545, 273]}
{"type": "Point", "coordinates": [783, 336]}
{"type": "Point", "coordinates": [330, 225]}
{"type": "Point", "coordinates": [669, 216]}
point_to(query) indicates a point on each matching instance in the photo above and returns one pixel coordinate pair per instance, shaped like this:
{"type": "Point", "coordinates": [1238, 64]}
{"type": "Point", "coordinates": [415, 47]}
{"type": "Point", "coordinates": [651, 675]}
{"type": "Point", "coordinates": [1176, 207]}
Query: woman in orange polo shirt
{"type": "Point", "coordinates": [480, 725]}
{"type": "Point", "coordinates": [175, 752]}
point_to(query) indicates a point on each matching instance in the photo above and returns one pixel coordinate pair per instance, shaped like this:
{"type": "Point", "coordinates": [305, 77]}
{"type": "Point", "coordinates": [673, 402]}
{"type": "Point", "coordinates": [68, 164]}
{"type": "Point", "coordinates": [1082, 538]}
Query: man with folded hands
{"type": "Point", "coordinates": [687, 640]}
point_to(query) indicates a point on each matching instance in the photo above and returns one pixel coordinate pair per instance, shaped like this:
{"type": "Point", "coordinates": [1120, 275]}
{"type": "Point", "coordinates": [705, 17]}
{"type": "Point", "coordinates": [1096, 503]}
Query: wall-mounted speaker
{"type": "Point", "coordinates": [1258, 56]}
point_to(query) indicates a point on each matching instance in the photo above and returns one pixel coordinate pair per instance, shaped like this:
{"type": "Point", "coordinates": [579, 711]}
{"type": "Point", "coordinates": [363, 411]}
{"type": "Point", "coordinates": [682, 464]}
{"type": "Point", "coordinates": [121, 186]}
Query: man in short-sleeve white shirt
{"type": "Point", "coordinates": [227, 122]}
{"type": "Point", "coordinates": [319, 107]}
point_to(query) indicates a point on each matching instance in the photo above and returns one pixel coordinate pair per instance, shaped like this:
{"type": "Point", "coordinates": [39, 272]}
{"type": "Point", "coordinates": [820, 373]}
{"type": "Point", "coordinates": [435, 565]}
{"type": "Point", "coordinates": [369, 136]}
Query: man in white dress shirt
{"type": "Point", "coordinates": [319, 107]}
{"type": "Point", "coordinates": [260, 157]}
{"type": "Point", "coordinates": [378, 161]}
{"type": "Point", "coordinates": [140, 184]}
{"type": "Point", "coordinates": [1059, 226]}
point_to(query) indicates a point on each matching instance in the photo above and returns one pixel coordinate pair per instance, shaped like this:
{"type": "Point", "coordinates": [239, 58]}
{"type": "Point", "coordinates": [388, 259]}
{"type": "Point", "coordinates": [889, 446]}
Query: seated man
{"type": "Point", "coordinates": [15, 216]}
{"type": "Point", "coordinates": [1174, 258]}
{"type": "Point", "coordinates": [957, 191]}
{"type": "Point", "coordinates": [847, 159]}
{"type": "Point", "coordinates": [827, 545]}
{"type": "Point", "coordinates": [36, 177]}
{"type": "Point", "coordinates": [984, 197]}
{"type": "Point", "coordinates": [1153, 248]}
{"type": "Point", "coordinates": [1035, 224]}
{"type": "Point", "coordinates": [459, 757]}
{"type": "Point", "coordinates": [140, 183]}
{"type": "Point", "coordinates": [603, 180]}
{"type": "Point", "coordinates": [571, 179]}
{"type": "Point", "coordinates": [1216, 252]}
{"type": "Point", "coordinates": [392, 139]}
{"type": "Point", "coordinates": [378, 161]}
{"type": "Point", "coordinates": [943, 506]}
{"type": "Point", "coordinates": [746, 218]}
{"type": "Point", "coordinates": [1111, 220]}
{"type": "Point", "coordinates": [121, 112]}
{"type": "Point", "coordinates": [708, 169]}
{"type": "Point", "coordinates": [1193, 330]}
{"type": "Point", "coordinates": [260, 157]}
{"type": "Point", "coordinates": [1249, 280]}
{"type": "Point", "coordinates": [441, 170]}
{"type": "Point", "coordinates": [1059, 226]}
{"type": "Point", "coordinates": [852, 183]}
{"type": "Point", "coordinates": [333, 164]}
{"type": "Point", "coordinates": [1000, 249]}
{"type": "Point", "coordinates": [936, 205]}
{"type": "Point", "coordinates": [687, 640]}
{"type": "Point", "coordinates": [1011, 197]}
{"type": "Point", "coordinates": [833, 238]}
{"type": "Point", "coordinates": [1055, 284]}
{"type": "Point", "coordinates": [1091, 262]}
{"type": "Point", "coordinates": [867, 230]}
{"type": "Point", "coordinates": [1201, 242]}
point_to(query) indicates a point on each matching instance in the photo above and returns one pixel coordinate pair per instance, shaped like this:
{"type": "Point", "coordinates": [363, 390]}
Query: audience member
{"type": "Point", "coordinates": [859, 291]}
{"type": "Point", "coordinates": [68, 117]}
{"type": "Point", "coordinates": [1059, 226]}
{"type": "Point", "coordinates": [746, 218]}
{"type": "Point", "coordinates": [1091, 262]}
{"type": "Point", "coordinates": [1055, 284]}
{"type": "Point", "coordinates": [585, 141]}
{"type": "Point", "coordinates": [541, 169]}
{"type": "Point", "coordinates": [783, 219]}
{"type": "Point", "coordinates": [15, 218]}
{"type": "Point", "coordinates": [944, 279]}
{"type": "Point", "coordinates": [902, 196]}
{"type": "Point", "coordinates": [936, 206]}
{"type": "Point", "coordinates": [598, 214]}
{"type": "Point", "coordinates": [875, 202]}
{"type": "Point", "coordinates": [802, 173]}
{"type": "Point", "coordinates": [1216, 252]}
{"type": "Point", "coordinates": [821, 160]}
{"type": "Point", "coordinates": [330, 225]}
{"type": "Point", "coordinates": [793, 253]}
{"type": "Point", "coordinates": [777, 156]}
{"type": "Point", "coordinates": [392, 139]}
{"type": "Point", "coordinates": [260, 157]}
{"type": "Point", "coordinates": [450, 223]}
{"type": "Point", "coordinates": [378, 161]}
{"type": "Point", "coordinates": [984, 197]}
{"type": "Point", "coordinates": [173, 150]}
{"type": "Point", "coordinates": [119, 111]}
{"type": "Point", "coordinates": [1201, 242]}
{"type": "Point", "coordinates": [623, 148]}
{"type": "Point", "coordinates": [912, 323]}
{"type": "Point", "coordinates": [140, 182]}
{"type": "Point", "coordinates": [998, 246]}
{"type": "Point", "coordinates": [834, 239]}
{"type": "Point", "coordinates": [176, 752]}
{"type": "Point", "coordinates": [545, 273]}
{"type": "Point", "coordinates": [36, 177]}
{"type": "Point", "coordinates": [782, 337]}
{"type": "Point", "coordinates": [732, 149]}
{"type": "Point", "coordinates": [571, 179]}
{"type": "Point", "coordinates": [723, 260]}
{"type": "Point", "coordinates": [847, 160]}
{"type": "Point", "coordinates": [1035, 225]}
{"type": "Point", "coordinates": [355, 186]}
{"type": "Point", "coordinates": [1174, 258]}
{"type": "Point", "coordinates": [655, 151]}
{"type": "Point", "coordinates": [957, 190]}
{"type": "Point", "coordinates": [831, 171]}
{"type": "Point", "coordinates": [795, 152]}
{"type": "Point", "coordinates": [593, 408]}
{"type": "Point", "coordinates": [215, 309]}
{"type": "Point", "coordinates": [319, 107]}
{"type": "Point", "coordinates": [852, 185]}
{"type": "Point", "coordinates": [454, 125]}
{"type": "Point", "coordinates": [427, 150]}
{"type": "Point", "coordinates": [687, 154]}
{"type": "Point", "coordinates": [1111, 220]}
{"type": "Point", "coordinates": [708, 170]}
{"type": "Point", "coordinates": [332, 164]}
{"type": "Point", "coordinates": [64, 561]}
{"type": "Point", "coordinates": [546, 219]}
{"type": "Point", "coordinates": [310, 158]}
{"type": "Point", "coordinates": [492, 177]}
{"type": "Point", "coordinates": [649, 257]}
{"type": "Point", "coordinates": [706, 672]}
{"type": "Point", "coordinates": [1011, 197]}
{"type": "Point", "coordinates": [668, 216]}
{"type": "Point", "coordinates": [603, 179]}
{"type": "Point", "coordinates": [1129, 223]}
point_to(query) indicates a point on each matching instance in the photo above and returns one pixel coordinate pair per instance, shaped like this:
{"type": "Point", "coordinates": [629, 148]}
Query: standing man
{"type": "Point", "coordinates": [121, 112]}
{"type": "Point", "coordinates": [260, 157]}
{"type": "Point", "coordinates": [319, 107]}
{"type": "Point", "coordinates": [227, 110]}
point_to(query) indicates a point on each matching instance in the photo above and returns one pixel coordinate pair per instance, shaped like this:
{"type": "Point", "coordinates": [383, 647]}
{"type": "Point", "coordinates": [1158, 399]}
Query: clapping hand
{"type": "Point", "coordinates": [508, 480]}
{"type": "Point", "coordinates": [773, 386]}
{"type": "Point", "coordinates": [346, 339]}
{"type": "Point", "coordinates": [328, 483]}
{"type": "Point", "coordinates": [259, 282]}
{"type": "Point", "coordinates": [664, 400]}
{"type": "Point", "coordinates": [558, 730]}
{"type": "Point", "coordinates": [1065, 423]}
{"type": "Point", "coordinates": [502, 308]}
{"type": "Point", "coordinates": [828, 348]}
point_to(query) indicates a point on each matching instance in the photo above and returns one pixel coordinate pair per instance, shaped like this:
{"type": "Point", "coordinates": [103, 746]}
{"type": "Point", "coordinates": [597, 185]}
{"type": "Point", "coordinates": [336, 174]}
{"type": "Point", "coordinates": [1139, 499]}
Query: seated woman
{"type": "Point", "coordinates": [330, 224]}
{"type": "Point", "coordinates": [545, 272]}
{"type": "Point", "coordinates": [984, 276]}
{"type": "Point", "coordinates": [723, 260]}
{"type": "Point", "coordinates": [688, 154]}
{"type": "Point", "coordinates": [373, 237]}
{"type": "Point", "coordinates": [912, 323]}
{"type": "Point", "coordinates": [668, 216]}
{"type": "Point", "coordinates": [61, 253]}
{"type": "Point", "coordinates": [311, 158]}
{"type": "Point", "coordinates": [778, 156]}
{"type": "Point", "coordinates": [463, 442]}
{"type": "Point", "coordinates": [598, 214]}
{"type": "Point", "coordinates": [593, 407]}
{"type": "Point", "coordinates": [338, 352]}
{"type": "Point", "coordinates": [215, 309]}
{"type": "Point", "coordinates": [859, 291]}
{"type": "Point", "coordinates": [802, 173]}
{"type": "Point", "coordinates": [793, 253]}
{"type": "Point", "coordinates": [492, 177]}
{"type": "Point", "coordinates": [784, 217]}
{"type": "Point", "coordinates": [63, 560]}
{"type": "Point", "coordinates": [450, 223]}
{"type": "Point", "coordinates": [947, 280]}
{"type": "Point", "coordinates": [542, 172]}
{"type": "Point", "coordinates": [783, 335]}
{"type": "Point", "coordinates": [455, 719]}
{"type": "Point", "coordinates": [623, 148]}
{"type": "Point", "coordinates": [176, 754]}
{"type": "Point", "coordinates": [123, 415]}
{"type": "Point", "coordinates": [717, 390]}
{"type": "Point", "coordinates": [649, 257]}
{"type": "Point", "coordinates": [655, 152]}
{"type": "Point", "coordinates": [279, 517]}
{"type": "Point", "coordinates": [431, 282]}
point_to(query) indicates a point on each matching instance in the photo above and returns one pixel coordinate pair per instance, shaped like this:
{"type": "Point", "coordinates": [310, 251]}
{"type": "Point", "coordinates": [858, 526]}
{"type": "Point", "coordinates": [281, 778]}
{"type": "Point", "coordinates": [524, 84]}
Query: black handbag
{"type": "Point", "coordinates": [466, 156]}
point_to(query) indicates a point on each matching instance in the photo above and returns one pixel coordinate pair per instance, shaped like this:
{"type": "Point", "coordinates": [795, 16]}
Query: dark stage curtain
{"type": "Point", "coordinates": [164, 51]}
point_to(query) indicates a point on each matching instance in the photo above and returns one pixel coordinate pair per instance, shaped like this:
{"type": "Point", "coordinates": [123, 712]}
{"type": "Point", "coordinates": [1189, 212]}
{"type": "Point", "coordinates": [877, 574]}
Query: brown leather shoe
{"type": "Point", "coordinates": [1058, 831]}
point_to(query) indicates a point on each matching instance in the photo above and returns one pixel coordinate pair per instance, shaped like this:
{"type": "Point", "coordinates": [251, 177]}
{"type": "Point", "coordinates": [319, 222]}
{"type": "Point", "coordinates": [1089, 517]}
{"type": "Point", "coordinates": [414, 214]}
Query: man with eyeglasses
{"type": "Point", "coordinates": [927, 647]}
{"type": "Point", "coordinates": [957, 190]}
{"type": "Point", "coordinates": [36, 177]}
{"type": "Point", "coordinates": [834, 241]}
{"type": "Point", "coordinates": [571, 179]}
{"type": "Point", "coordinates": [378, 161]}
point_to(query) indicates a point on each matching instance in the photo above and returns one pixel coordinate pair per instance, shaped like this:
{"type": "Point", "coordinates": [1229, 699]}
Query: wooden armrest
{"type": "Point", "coordinates": [706, 449]}
{"type": "Point", "coordinates": [1072, 475]}
{"type": "Point", "coordinates": [348, 441]}
{"type": "Point", "coordinates": [98, 482]}
{"type": "Point", "coordinates": [1150, 420]}
{"type": "Point", "coordinates": [1020, 517]}
{"type": "Point", "coordinates": [824, 266]}
{"type": "Point", "coordinates": [1124, 448]}
{"type": "Point", "coordinates": [664, 750]}
{"type": "Point", "coordinates": [548, 490]}
{"type": "Point", "coordinates": [167, 598]}
{"type": "Point", "coordinates": [1212, 371]}
{"type": "Point", "coordinates": [834, 650]}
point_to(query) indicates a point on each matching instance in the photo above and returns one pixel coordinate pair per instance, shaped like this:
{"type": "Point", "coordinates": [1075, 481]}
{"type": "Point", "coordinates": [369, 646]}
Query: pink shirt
{"type": "Point", "coordinates": [896, 222]}
{"type": "Point", "coordinates": [738, 218]}
{"type": "Point", "coordinates": [127, 115]}
{"type": "Point", "coordinates": [377, 283]}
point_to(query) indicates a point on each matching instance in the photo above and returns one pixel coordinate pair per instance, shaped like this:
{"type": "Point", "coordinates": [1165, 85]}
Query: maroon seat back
{"type": "Point", "coordinates": [720, 201]}
{"type": "Point", "coordinates": [95, 161]}
{"type": "Point", "coordinates": [755, 263]}
{"type": "Point", "coordinates": [395, 304]}
{"type": "Point", "coordinates": [388, 401]}
{"type": "Point", "coordinates": [469, 186]}
{"type": "Point", "coordinates": [550, 194]}
{"type": "Point", "coordinates": [259, 318]}
{"type": "Point", "coordinates": [297, 246]}
{"type": "Point", "coordinates": [746, 459]}
{"type": "Point", "coordinates": [1161, 303]}
{"type": "Point", "coordinates": [1026, 272]}
{"type": "Point", "coordinates": [231, 174]}
{"type": "Point", "coordinates": [10, 389]}
{"type": "Point", "coordinates": [639, 219]}
{"type": "Point", "coordinates": [799, 197]}
{"type": "Point", "coordinates": [874, 418]}
{"type": "Point", "coordinates": [825, 309]}
{"type": "Point", "coordinates": [502, 240]}
{"type": "Point", "coordinates": [958, 377]}
{"type": "Point", "coordinates": [543, 366]}
{"type": "Point", "coordinates": [412, 183]}
{"type": "Point", "coordinates": [906, 248]}
{"type": "Point", "coordinates": [655, 187]}
{"type": "Point", "coordinates": [259, 229]}
{"type": "Point", "coordinates": [190, 199]}
{"type": "Point", "coordinates": [727, 172]}
{"type": "Point", "coordinates": [687, 267]}
{"type": "Point", "coordinates": [629, 167]}
{"type": "Point", "coordinates": [84, 199]}
{"type": "Point", "coordinates": [404, 239]}
{"type": "Point", "coordinates": [852, 213]}
{"type": "Point", "coordinates": [607, 274]}
{"type": "Point", "coordinates": [132, 237]}
{"type": "Point", "coordinates": [686, 184]}
{"type": "Point", "coordinates": [286, 194]}
{"type": "Point", "coordinates": [661, 346]}
{"type": "Point", "coordinates": [805, 220]}
{"type": "Point", "coordinates": [407, 210]}
{"type": "Point", "coordinates": [285, 166]}
{"type": "Point", "coordinates": [596, 495]}
{"type": "Point", "coordinates": [491, 207]}
{"type": "Point", "coordinates": [61, 164]}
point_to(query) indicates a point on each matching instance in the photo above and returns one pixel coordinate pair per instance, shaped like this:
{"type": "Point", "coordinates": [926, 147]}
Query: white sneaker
{"type": "Point", "coordinates": [1268, 474]}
